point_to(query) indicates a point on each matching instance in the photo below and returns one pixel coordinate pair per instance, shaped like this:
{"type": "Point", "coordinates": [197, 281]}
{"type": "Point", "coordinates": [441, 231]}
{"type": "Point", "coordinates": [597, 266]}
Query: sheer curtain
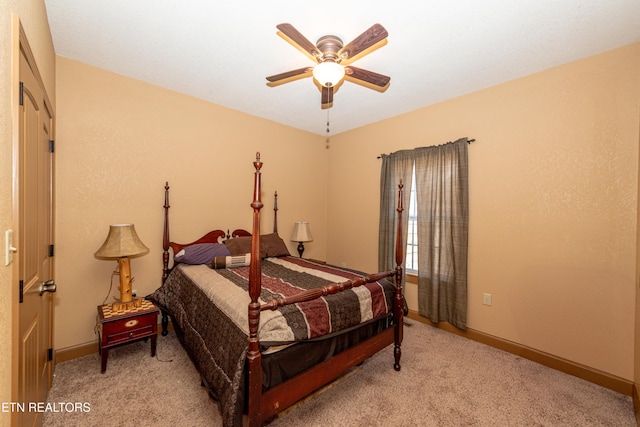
{"type": "Point", "coordinates": [442, 196]}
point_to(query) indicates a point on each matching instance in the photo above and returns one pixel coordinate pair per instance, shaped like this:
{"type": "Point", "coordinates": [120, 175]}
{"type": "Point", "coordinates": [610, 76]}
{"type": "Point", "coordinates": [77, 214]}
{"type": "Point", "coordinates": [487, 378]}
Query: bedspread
{"type": "Point", "coordinates": [216, 345]}
{"type": "Point", "coordinates": [212, 315]}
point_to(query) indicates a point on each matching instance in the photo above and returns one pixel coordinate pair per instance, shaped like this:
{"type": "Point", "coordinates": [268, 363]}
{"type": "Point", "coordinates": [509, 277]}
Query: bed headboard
{"type": "Point", "coordinates": [214, 236]}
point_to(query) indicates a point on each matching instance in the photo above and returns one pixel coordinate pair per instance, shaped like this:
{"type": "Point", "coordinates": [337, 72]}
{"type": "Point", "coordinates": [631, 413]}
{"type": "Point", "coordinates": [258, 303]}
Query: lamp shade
{"type": "Point", "coordinates": [122, 241]}
{"type": "Point", "coordinates": [301, 232]}
{"type": "Point", "coordinates": [328, 73]}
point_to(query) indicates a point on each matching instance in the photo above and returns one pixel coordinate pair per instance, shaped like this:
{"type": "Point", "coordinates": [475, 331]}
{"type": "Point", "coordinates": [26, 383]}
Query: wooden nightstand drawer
{"type": "Point", "coordinates": [129, 329]}
{"type": "Point", "coordinates": [121, 327]}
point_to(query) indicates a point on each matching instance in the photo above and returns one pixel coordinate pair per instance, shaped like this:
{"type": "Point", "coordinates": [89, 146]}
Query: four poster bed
{"type": "Point", "coordinates": [266, 329]}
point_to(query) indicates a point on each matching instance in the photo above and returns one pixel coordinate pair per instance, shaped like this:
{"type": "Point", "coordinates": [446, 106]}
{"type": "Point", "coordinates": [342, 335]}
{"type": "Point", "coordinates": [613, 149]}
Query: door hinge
{"type": "Point", "coordinates": [52, 146]}
{"type": "Point", "coordinates": [21, 291]}
{"type": "Point", "coordinates": [49, 355]}
{"type": "Point", "coordinates": [51, 250]}
{"type": "Point", "coordinates": [21, 93]}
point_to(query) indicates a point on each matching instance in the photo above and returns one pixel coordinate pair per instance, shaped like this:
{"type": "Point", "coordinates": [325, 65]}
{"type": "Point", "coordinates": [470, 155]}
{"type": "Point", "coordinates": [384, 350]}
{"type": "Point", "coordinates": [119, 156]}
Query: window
{"type": "Point", "coordinates": [438, 213]}
{"type": "Point", "coordinates": [411, 264]}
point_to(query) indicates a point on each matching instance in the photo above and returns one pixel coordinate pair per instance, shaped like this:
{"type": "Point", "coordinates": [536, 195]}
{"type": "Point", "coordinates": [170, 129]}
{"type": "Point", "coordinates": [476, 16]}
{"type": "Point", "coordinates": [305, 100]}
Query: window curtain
{"type": "Point", "coordinates": [395, 166]}
{"type": "Point", "coordinates": [442, 197]}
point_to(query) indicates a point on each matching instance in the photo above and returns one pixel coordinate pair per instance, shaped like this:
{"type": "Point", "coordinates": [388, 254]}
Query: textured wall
{"type": "Point", "coordinates": [553, 184]}
{"type": "Point", "coordinates": [553, 204]}
{"type": "Point", "coordinates": [6, 214]}
{"type": "Point", "coordinates": [119, 140]}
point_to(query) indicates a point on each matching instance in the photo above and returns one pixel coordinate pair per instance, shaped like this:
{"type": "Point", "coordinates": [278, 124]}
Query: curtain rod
{"type": "Point", "coordinates": [469, 141]}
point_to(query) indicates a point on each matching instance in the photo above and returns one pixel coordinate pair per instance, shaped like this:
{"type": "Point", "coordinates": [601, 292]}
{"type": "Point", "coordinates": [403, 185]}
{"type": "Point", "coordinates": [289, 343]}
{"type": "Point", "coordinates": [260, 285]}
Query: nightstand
{"type": "Point", "coordinates": [121, 327]}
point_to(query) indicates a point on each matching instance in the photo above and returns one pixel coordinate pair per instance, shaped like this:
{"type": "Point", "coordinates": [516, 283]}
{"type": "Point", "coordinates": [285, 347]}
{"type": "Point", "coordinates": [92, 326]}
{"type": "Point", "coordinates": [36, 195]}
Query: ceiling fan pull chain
{"type": "Point", "coordinates": [328, 131]}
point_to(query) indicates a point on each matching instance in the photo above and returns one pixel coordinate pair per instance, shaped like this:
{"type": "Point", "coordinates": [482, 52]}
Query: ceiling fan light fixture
{"type": "Point", "coordinates": [328, 73]}
{"type": "Point", "coordinates": [333, 61]}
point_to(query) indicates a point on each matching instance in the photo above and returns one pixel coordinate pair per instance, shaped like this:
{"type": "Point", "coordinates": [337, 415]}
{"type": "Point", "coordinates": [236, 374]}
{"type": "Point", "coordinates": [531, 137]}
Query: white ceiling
{"type": "Point", "coordinates": [222, 51]}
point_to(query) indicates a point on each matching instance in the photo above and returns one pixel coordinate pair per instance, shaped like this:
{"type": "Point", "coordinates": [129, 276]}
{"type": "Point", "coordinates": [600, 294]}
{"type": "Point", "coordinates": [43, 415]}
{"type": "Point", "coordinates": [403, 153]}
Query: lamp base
{"type": "Point", "coordinates": [126, 306]}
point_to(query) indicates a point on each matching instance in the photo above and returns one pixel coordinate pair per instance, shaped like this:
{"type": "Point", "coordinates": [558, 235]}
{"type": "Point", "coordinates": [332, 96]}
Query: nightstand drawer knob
{"type": "Point", "coordinates": [130, 334]}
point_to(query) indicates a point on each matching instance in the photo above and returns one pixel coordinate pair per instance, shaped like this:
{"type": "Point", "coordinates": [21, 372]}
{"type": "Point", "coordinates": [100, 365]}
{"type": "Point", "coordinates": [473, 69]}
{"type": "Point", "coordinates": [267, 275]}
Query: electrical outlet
{"type": "Point", "coordinates": [486, 299]}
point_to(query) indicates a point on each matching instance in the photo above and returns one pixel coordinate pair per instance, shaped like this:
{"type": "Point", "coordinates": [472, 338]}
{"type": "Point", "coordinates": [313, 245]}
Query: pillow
{"type": "Point", "coordinates": [271, 245]}
{"type": "Point", "coordinates": [231, 261]}
{"type": "Point", "coordinates": [239, 245]}
{"type": "Point", "coordinates": [201, 253]}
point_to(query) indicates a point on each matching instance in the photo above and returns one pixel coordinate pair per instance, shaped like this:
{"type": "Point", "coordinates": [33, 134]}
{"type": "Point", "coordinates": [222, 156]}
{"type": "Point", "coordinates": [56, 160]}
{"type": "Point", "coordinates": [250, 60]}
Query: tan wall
{"type": "Point", "coordinates": [559, 278]}
{"type": "Point", "coordinates": [553, 204]}
{"type": "Point", "coordinates": [33, 17]}
{"type": "Point", "coordinates": [119, 140]}
{"type": "Point", "coordinates": [6, 213]}
{"type": "Point", "coordinates": [637, 330]}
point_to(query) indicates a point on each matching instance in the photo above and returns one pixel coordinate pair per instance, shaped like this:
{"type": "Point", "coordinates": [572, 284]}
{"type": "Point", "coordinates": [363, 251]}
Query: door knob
{"type": "Point", "coordinates": [48, 286]}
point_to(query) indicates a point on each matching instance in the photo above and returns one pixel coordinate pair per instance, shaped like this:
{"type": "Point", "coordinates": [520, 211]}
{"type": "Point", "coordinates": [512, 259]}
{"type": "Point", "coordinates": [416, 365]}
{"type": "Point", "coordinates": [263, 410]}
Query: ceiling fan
{"type": "Point", "coordinates": [333, 61]}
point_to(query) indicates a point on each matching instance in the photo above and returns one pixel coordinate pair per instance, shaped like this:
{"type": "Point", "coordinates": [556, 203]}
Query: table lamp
{"type": "Point", "coordinates": [301, 233]}
{"type": "Point", "coordinates": [123, 243]}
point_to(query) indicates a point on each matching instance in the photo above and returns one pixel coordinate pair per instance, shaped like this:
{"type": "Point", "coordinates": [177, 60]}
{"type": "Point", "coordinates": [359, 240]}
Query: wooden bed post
{"type": "Point", "coordinates": [165, 234]}
{"type": "Point", "coordinates": [275, 212]}
{"type": "Point", "coordinates": [165, 254]}
{"type": "Point", "coordinates": [398, 309]}
{"type": "Point", "coordinates": [254, 357]}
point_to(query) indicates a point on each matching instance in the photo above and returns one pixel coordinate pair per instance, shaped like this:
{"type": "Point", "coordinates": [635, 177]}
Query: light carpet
{"type": "Point", "coordinates": [446, 380]}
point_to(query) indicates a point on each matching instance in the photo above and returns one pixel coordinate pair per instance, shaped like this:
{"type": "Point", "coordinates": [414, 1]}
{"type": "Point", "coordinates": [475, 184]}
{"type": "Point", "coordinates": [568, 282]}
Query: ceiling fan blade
{"type": "Point", "coordinates": [367, 78]}
{"type": "Point", "coordinates": [289, 76]}
{"type": "Point", "coordinates": [327, 97]}
{"type": "Point", "coordinates": [297, 40]}
{"type": "Point", "coordinates": [365, 43]}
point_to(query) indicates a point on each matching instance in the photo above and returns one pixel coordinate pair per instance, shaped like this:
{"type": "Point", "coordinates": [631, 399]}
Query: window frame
{"type": "Point", "coordinates": [411, 248]}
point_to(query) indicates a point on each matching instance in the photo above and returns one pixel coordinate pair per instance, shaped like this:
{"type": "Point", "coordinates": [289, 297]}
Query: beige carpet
{"type": "Point", "coordinates": [446, 380]}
